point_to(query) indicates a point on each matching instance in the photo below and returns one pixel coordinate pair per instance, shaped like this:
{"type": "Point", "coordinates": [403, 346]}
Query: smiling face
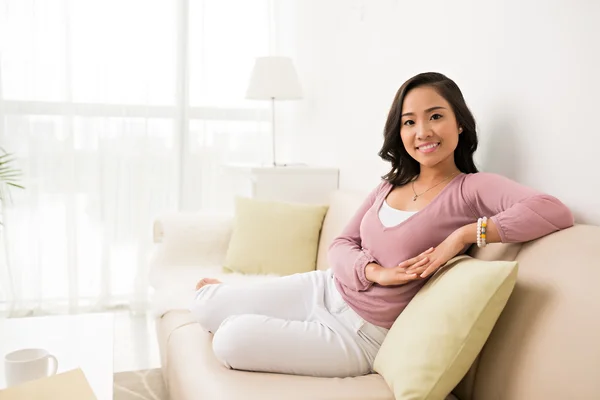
{"type": "Point", "coordinates": [428, 128]}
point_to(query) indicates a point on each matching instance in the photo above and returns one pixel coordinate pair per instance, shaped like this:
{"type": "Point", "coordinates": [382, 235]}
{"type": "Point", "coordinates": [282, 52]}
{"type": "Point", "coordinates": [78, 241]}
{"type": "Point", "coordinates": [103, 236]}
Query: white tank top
{"type": "Point", "coordinates": [390, 216]}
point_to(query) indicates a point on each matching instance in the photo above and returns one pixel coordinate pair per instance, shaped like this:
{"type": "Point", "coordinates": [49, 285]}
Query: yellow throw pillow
{"type": "Point", "coordinates": [433, 343]}
{"type": "Point", "coordinates": [272, 237]}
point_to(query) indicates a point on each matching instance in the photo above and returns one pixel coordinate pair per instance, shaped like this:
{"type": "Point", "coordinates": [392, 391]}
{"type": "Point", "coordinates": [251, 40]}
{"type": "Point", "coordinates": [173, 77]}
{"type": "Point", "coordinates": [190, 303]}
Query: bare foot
{"type": "Point", "coordinates": [206, 281]}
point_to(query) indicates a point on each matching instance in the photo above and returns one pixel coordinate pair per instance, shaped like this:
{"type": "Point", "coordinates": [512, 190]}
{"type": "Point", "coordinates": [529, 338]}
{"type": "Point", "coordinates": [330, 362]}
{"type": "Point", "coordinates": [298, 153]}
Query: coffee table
{"type": "Point", "coordinates": [78, 341]}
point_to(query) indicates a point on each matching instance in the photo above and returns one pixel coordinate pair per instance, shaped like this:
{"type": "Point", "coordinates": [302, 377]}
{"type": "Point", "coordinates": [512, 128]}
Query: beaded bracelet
{"type": "Point", "coordinates": [481, 232]}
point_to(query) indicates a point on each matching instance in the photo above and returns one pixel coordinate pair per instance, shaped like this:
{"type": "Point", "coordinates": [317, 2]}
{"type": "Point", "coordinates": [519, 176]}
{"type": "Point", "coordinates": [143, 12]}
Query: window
{"type": "Point", "coordinates": [117, 111]}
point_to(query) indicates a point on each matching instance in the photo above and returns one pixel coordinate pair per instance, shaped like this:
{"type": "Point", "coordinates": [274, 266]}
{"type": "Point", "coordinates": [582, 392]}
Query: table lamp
{"type": "Point", "coordinates": [274, 78]}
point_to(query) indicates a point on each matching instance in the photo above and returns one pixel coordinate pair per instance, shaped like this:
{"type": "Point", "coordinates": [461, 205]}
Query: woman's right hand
{"type": "Point", "coordinates": [398, 275]}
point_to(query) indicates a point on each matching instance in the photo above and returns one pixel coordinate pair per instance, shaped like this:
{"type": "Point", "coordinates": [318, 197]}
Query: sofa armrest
{"type": "Point", "coordinates": [191, 239]}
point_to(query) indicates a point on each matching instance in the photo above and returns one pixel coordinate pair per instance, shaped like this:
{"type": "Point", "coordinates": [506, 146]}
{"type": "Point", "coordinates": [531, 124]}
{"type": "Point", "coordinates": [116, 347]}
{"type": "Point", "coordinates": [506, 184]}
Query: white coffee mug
{"type": "Point", "coordinates": [28, 364]}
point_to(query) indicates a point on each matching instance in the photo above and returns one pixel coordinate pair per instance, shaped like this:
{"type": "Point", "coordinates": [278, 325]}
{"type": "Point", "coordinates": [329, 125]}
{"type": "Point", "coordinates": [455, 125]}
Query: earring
{"type": "Point", "coordinates": [459, 130]}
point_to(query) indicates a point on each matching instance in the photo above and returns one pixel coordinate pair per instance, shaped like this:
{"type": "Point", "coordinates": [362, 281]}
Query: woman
{"type": "Point", "coordinates": [428, 209]}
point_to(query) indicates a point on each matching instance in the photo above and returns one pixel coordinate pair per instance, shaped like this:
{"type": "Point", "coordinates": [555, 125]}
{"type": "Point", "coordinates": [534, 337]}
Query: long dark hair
{"type": "Point", "coordinates": [404, 167]}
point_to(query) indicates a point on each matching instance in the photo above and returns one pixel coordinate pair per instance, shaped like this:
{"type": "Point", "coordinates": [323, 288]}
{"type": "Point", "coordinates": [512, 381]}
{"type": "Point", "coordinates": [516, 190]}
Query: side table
{"type": "Point", "coordinates": [78, 341]}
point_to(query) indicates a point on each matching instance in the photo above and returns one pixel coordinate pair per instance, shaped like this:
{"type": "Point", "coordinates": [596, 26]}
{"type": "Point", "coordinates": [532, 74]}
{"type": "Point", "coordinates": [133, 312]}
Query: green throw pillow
{"type": "Point", "coordinates": [271, 237]}
{"type": "Point", "coordinates": [433, 343]}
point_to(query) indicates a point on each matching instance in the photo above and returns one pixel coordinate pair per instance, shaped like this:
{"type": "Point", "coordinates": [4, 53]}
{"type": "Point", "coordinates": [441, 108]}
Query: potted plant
{"type": "Point", "coordinates": [9, 176]}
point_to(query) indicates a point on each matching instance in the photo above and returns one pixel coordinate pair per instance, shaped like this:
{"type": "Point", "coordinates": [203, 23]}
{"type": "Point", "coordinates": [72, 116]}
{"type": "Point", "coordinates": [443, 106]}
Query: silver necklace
{"type": "Point", "coordinates": [416, 196]}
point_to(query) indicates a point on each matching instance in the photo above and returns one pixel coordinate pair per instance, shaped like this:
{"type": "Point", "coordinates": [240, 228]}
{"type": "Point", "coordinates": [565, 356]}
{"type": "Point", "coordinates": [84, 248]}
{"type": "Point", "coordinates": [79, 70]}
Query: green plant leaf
{"type": "Point", "coordinates": [6, 174]}
{"type": "Point", "coordinates": [3, 156]}
{"type": "Point", "coordinates": [15, 185]}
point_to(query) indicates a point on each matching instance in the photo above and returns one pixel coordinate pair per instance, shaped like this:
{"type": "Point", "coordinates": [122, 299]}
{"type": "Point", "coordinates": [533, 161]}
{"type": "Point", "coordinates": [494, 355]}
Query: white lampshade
{"type": "Point", "coordinates": [274, 78]}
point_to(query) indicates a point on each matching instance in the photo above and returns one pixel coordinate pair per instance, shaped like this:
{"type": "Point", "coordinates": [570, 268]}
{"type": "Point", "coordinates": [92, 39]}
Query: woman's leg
{"type": "Point", "coordinates": [290, 298]}
{"type": "Point", "coordinates": [297, 324]}
{"type": "Point", "coordinates": [267, 344]}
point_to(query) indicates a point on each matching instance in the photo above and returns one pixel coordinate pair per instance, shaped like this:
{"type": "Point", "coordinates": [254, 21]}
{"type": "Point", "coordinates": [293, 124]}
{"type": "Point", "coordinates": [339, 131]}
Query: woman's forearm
{"type": "Point", "coordinates": [348, 261]}
{"type": "Point", "coordinates": [468, 233]}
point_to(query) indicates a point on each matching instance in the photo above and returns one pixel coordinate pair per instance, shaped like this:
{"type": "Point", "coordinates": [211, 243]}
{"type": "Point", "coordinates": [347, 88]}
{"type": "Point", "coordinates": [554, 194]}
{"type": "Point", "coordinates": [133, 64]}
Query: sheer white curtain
{"type": "Point", "coordinates": [116, 111]}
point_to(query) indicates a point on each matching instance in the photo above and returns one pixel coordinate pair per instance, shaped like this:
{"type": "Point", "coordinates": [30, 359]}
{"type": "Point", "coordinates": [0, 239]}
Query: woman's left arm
{"type": "Point", "coordinates": [516, 214]}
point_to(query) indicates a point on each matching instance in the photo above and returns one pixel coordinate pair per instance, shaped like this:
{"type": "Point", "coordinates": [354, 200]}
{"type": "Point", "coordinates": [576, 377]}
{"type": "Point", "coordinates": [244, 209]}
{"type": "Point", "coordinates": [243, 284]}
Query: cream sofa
{"type": "Point", "coordinates": [544, 346]}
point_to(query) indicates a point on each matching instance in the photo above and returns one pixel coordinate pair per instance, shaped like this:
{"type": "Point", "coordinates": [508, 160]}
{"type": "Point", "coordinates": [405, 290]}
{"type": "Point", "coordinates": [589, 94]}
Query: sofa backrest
{"type": "Point", "coordinates": [544, 346]}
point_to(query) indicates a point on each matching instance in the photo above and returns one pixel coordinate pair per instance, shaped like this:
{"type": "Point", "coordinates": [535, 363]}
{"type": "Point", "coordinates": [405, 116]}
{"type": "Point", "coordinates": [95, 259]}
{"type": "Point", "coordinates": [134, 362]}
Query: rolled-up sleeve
{"type": "Point", "coordinates": [520, 213]}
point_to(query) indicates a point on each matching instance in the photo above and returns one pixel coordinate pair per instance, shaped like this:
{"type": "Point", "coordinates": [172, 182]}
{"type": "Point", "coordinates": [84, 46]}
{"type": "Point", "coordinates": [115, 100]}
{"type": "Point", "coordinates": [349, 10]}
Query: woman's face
{"type": "Point", "coordinates": [428, 128]}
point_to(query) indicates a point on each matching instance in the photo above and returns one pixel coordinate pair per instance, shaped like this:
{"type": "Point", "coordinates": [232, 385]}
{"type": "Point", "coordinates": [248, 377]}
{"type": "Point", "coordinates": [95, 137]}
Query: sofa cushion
{"type": "Point", "coordinates": [272, 237]}
{"type": "Point", "coordinates": [437, 337]}
{"type": "Point", "coordinates": [191, 238]}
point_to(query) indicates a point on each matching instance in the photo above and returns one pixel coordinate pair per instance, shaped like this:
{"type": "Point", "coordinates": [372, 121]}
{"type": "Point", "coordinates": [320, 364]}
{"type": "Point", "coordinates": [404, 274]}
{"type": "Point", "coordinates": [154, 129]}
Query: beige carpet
{"type": "Point", "coordinates": [139, 385]}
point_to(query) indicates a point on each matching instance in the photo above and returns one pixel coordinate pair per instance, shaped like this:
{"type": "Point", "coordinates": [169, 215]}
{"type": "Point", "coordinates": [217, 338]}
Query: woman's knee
{"type": "Point", "coordinates": [230, 342]}
{"type": "Point", "coordinates": [204, 308]}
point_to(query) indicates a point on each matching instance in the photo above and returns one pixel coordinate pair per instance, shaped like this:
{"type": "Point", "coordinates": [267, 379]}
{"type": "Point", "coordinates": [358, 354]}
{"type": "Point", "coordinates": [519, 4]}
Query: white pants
{"type": "Point", "coordinates": [298, 324]}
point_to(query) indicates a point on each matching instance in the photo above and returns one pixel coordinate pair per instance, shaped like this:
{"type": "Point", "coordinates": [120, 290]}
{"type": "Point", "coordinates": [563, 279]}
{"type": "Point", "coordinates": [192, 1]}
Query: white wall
{"type": "Point", "coordinates": [529, 71]}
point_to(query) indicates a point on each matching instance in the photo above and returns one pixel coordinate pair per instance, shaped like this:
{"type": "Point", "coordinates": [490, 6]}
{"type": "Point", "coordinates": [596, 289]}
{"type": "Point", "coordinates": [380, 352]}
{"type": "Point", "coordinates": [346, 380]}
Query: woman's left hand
{"type": "Point", "coordinates": [440, 255]}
